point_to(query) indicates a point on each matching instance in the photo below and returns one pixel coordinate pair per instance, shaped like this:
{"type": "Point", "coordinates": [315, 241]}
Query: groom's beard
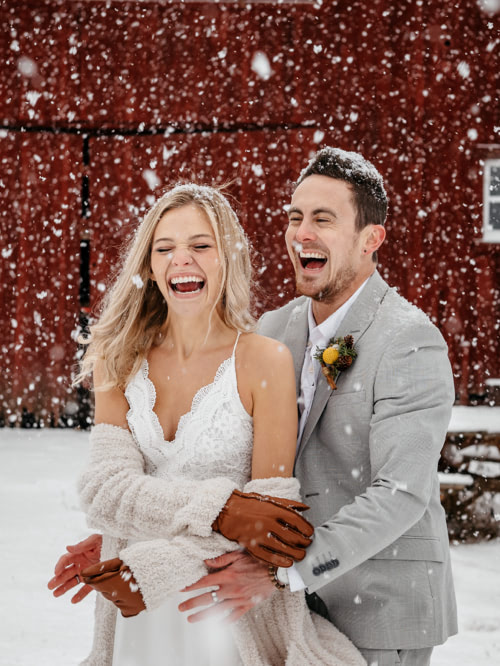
{"type": "Point", "coordinates": [330, 292]}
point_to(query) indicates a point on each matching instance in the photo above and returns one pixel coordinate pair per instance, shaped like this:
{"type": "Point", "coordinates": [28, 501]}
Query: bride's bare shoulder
{"type": "Point", "coordinates": [259, 350]}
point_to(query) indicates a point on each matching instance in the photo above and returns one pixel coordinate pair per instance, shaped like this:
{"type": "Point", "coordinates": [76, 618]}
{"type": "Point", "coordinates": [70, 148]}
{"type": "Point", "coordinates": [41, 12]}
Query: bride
{"type": "Point", "coordinates": [196, 423]}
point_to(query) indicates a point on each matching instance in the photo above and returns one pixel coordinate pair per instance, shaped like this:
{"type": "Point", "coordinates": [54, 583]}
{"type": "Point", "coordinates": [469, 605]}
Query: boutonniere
{"type": "Point", "coordinates": [337, 356]}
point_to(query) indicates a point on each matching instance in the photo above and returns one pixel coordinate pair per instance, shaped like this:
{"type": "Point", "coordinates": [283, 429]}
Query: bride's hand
{"type": "Point", "coordinates": [241, 582]}
{"type": "Point", "coordinates": [69, 567]}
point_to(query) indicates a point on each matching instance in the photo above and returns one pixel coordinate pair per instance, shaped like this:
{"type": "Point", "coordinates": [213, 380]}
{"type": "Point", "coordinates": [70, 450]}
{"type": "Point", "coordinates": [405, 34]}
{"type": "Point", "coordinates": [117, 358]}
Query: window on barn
{"type": "Point", "coordinates": [491, 224]}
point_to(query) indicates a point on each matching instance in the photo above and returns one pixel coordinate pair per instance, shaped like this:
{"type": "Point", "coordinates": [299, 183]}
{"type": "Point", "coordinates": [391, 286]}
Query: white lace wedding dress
{"type": "Point", "coordinates": [213, 439]}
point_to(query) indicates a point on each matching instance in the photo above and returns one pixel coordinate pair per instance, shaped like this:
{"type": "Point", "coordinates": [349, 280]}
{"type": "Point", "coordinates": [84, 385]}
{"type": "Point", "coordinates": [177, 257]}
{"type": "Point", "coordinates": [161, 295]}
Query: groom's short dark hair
{"type": "Point", "coordinates": [370, 198]}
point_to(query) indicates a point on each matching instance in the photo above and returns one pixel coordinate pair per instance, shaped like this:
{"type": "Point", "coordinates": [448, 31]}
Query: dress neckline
{"type": "Point", "coordinates": [197, 398]}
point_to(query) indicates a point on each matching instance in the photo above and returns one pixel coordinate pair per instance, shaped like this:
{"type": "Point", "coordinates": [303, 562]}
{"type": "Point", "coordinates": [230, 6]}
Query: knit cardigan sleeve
{"type": "Point", "coordinates": [162, 567]}
{"type": "Point", "coordinates": [121, 500]}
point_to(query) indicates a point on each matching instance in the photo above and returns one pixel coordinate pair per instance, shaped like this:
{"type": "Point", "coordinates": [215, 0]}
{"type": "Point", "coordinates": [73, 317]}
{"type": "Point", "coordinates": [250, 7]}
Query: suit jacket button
{"type": "Point", "coordinates": [335, 563]}
{"type": "Point", "coordinates": [316, 571]}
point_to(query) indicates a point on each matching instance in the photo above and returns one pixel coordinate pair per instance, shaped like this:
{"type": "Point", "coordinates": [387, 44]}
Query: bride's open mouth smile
{"type": "Point", "coordinates": [186, 285]}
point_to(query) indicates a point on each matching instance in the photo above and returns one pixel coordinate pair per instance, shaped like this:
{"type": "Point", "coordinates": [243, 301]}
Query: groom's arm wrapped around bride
{"type": "Point", "coordinates": [126, 503]}
{"type": "Point", "coordinates": [120, 499]}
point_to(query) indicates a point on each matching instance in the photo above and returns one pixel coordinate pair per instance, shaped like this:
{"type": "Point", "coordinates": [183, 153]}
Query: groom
{"type": "Point", "coordinates": [367, 452]}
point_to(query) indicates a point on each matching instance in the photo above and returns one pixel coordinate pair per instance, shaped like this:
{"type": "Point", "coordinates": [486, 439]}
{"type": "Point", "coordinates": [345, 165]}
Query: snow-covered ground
{"type": "Point", "coordinates": [39, 516]}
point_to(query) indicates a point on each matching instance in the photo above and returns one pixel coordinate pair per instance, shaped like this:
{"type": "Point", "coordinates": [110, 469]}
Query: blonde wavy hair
{"type": "Point", "coordinates": [134, 311]}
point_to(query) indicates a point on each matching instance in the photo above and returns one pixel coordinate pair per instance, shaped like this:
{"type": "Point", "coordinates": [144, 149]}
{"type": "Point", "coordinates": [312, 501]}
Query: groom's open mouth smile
{"type": "Point", "coordinates": [312, 261]}
{"type": "Point", "coordinates": [186, 285]}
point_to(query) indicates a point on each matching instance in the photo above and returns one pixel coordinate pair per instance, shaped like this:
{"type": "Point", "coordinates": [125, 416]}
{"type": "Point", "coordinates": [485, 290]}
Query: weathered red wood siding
{"type": "Point", "coordinates": [39, 270]}
{"type": "Point", "coordinates": [169, 88]}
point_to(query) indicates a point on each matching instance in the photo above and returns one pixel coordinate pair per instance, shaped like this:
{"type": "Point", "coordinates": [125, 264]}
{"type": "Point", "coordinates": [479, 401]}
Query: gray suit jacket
{"type": "Point", "coordinates": [367, 463]}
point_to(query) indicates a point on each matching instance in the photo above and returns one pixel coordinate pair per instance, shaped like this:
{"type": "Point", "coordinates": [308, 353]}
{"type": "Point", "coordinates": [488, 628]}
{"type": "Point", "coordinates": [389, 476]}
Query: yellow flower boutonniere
{"type": "Point", "coordinates": [337, 356]}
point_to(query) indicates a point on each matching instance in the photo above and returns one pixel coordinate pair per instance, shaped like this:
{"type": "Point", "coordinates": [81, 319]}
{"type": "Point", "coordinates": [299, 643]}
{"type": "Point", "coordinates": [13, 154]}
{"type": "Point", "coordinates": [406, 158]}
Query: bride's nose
{"type": "Point", "coordinates": [182, 257]}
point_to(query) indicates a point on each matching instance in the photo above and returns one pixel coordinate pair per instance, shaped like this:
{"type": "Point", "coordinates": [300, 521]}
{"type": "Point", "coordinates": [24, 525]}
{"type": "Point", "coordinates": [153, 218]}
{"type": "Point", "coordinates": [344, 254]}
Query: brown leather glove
{"type": "Point", "coordinates": [115, 582]}
{"type": "Point", "coordinates": [268, 527]}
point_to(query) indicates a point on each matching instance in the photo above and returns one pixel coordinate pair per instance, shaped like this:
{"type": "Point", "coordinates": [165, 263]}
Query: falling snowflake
{"type": "Point", "coordinates": [151, 178]}
{"type": "Point", "coordinates": [261, 65]}
{"type": "Point", "coordinates": [463, 69]}
{"type": "Point", "coordinates": [26, 66]}
{"type": "Point", "coordinates": [137, 280]}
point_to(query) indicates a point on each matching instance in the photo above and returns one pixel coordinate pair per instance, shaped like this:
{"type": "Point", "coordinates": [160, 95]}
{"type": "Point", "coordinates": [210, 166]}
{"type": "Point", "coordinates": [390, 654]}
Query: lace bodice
{"type": "Point", "coordinates": [213, 439]}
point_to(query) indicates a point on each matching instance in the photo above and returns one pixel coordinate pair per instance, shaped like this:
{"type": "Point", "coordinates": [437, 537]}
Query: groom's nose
{"type": "Point", "coordinates": [305, 232]}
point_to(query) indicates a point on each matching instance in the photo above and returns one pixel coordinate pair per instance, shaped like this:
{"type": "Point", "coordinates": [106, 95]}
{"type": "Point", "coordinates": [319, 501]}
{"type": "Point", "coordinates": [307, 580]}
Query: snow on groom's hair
{"type": "Point", "coordinates": [370, 197]}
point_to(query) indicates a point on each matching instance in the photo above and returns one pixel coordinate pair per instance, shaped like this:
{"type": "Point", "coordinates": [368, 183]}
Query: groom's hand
{"type": "Point", "coordinates": [268, 527]}
{"type": "Point", "coordinates": [241, 584]}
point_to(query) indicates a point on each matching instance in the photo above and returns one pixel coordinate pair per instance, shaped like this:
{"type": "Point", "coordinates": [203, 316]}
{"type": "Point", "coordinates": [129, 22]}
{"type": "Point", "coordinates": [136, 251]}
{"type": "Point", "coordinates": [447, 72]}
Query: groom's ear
{"type": "Point", "coordinates": [374, 237]}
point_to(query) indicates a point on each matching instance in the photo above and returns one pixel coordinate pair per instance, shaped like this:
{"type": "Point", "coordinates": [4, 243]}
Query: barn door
{"type": "Point", "coordinates": [40, 211]}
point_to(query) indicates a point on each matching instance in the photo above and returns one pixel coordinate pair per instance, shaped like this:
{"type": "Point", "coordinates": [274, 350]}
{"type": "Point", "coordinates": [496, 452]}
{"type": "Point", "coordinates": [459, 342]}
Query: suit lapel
{"type": "Point", "coordinates": [296, 336]}
{"type": "Point", "coordinates": [355, 323]}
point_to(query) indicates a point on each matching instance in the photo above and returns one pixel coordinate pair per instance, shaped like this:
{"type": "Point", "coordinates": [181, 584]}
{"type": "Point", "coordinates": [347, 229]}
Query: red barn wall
{"type": "Point", "coordinates": [130, 97]}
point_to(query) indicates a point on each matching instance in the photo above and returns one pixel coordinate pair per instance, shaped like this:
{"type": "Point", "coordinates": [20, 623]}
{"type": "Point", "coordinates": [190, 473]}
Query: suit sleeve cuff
{"type": "Point", "coordinates": [290, 576]}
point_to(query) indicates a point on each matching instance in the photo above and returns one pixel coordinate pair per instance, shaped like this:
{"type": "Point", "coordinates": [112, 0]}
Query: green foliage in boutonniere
{"type": "Point", "coordinates": [337, 356]}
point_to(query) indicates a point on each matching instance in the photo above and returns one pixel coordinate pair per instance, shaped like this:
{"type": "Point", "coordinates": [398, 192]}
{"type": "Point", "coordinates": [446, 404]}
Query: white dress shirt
{"type": "Point", "coordinates": [319, 336]}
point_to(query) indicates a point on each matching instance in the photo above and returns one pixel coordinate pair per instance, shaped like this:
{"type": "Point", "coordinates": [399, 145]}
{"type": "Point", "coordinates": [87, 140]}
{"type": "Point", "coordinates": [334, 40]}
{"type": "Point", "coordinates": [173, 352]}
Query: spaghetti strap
{"type": "Point", "coordinates": [234, 348]}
